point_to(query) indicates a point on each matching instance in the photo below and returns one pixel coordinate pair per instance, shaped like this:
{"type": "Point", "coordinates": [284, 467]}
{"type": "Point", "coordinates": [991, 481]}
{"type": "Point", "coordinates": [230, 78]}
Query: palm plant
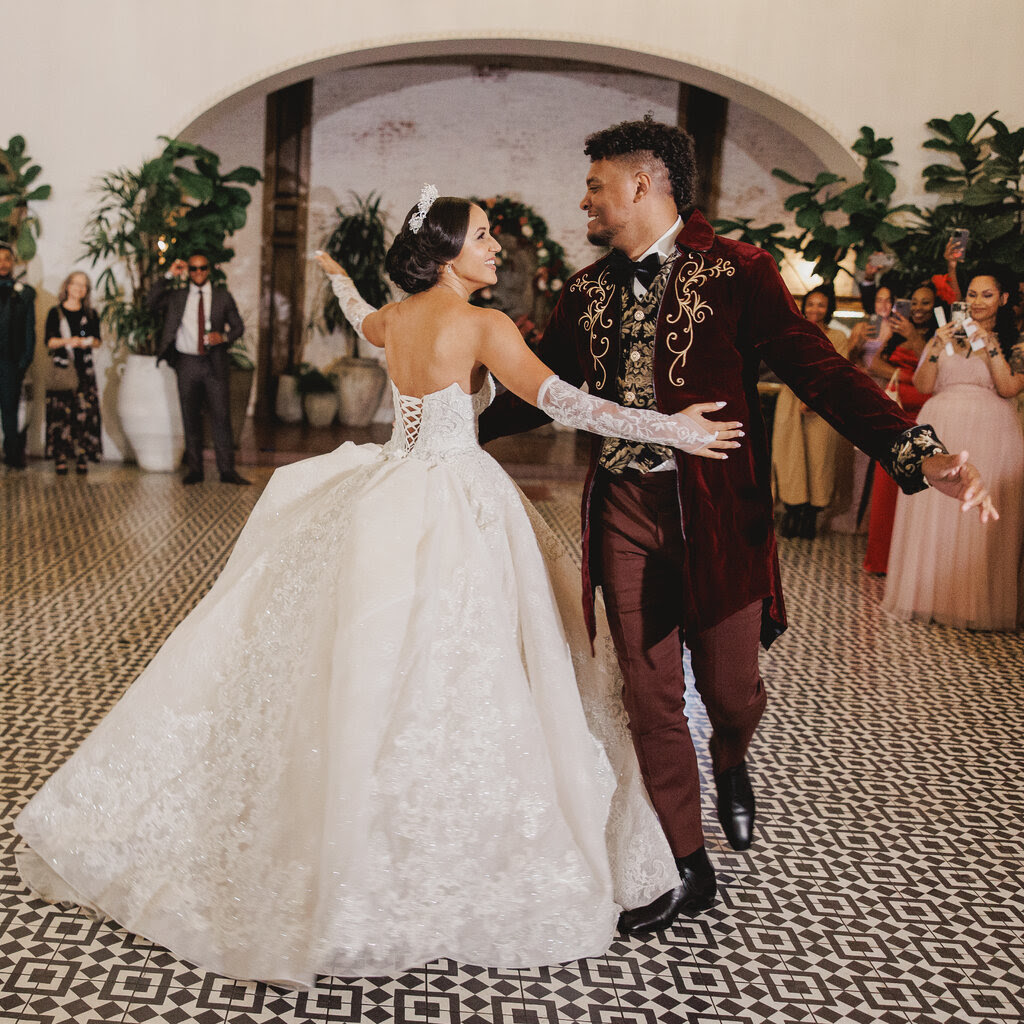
{"type": "Point", "coordinates": [145, 218]}
{"type": "Point", "coordinates": [358, 244]}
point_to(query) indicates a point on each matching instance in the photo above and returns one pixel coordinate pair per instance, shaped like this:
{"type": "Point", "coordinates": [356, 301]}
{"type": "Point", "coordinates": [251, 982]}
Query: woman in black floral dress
{"type": "Point", "coordinates": [73, 416]}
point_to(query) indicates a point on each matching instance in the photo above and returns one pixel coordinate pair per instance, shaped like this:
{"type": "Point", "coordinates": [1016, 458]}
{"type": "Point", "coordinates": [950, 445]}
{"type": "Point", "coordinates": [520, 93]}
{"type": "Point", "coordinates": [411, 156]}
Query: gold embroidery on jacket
{"type": "Point", "coordinates": [693, 273]}
{"type": "Point", "coordinates": [596, 320]}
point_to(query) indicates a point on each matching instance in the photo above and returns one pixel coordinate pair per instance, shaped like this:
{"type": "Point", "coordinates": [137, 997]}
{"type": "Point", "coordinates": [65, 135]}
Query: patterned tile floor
{"type": "Point", "coordinates": [885, 883]}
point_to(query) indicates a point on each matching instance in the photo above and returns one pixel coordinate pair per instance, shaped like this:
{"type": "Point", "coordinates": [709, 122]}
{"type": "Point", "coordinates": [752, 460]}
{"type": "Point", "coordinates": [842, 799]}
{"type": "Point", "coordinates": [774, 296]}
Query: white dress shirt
{"type": "Point", "coordinates": [187, 338]}
{"type": "Point", "coordinates": [664, 247]}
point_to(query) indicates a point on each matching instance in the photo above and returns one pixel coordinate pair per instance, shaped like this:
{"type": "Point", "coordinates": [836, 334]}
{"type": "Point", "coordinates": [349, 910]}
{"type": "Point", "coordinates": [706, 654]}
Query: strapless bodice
{"type": "Point", "coordinates": [441, 423]}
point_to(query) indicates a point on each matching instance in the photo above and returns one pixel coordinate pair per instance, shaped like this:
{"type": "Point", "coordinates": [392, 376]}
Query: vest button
{"type": "Point", "coordinates": [638, 315]}
{"type": "Point", "coordinates": [629, 396]}
{"type": "Point", "coordinates": [635, 356]}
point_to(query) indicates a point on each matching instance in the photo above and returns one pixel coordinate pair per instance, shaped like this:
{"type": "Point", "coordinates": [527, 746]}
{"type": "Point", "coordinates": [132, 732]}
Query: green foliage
{"type": "Point", "coordinates": [174, 204]}
{"type": "Point", "coordinates": [19, 226]}
{"type": "Point", "coordinates": [311, 381]}
{"type": "Point", "coordinates": [358, 244]}
{"type": "Point", "coordinates": [980, 189]}
{"type": "Point", "coordinates": [769, 238]}
{"type": "Point", "coordinates": [857, 218]}
{"type": "Point", "coordinates": [239, 355]}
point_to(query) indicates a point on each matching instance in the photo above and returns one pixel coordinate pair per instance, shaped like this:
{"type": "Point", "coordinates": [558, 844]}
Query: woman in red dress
{"type": "Point", "coordinates": [897, 362]}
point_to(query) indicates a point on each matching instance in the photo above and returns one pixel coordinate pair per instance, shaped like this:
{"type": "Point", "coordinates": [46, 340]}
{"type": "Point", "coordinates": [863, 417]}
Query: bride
{"type": "Point", "coordinates": [382, 737]}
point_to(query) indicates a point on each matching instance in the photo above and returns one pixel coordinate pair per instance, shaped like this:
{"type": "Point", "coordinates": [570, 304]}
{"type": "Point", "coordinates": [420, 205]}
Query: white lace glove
{"type": "Point", "coordinates": [575, 408]}
{"type": "Point", "coordinates": [352, 304]}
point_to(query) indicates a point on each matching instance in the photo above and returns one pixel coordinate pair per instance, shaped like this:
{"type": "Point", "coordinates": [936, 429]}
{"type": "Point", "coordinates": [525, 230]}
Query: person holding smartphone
{"type": "Point", "coordinates": [200, 323]}
{"type": "Point", "coordinates": [895, 364]}
{"type": "Point", "coordinates": [940, 569]}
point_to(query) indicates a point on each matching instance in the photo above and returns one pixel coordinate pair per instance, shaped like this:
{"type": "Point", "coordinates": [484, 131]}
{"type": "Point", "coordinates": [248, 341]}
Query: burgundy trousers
{"type": "Point", "coordinates": [642, 554]}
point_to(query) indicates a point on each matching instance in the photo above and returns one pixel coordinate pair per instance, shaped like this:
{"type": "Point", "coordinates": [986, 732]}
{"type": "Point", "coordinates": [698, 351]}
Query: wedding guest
{"type": "Point", "coordinates": [72, 397]}
{"type": "Point", "coordinates": [200, 323]}
{"type": "Point", "coordinates": [805, 449]}
{"type": "Point", "coordinates": [942, 568]}
{"type": "Point", "coordinates": [873, 332]}
{"type": "Point", "coordinates": [17, 344]}
{"type": "Point", "coordinates": [896, 363]}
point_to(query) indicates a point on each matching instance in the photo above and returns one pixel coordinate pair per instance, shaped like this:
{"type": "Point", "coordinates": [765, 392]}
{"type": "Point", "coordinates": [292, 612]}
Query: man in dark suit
{"type": "Point", "coordinates": [200, 323]}
{"type": "Point", "coordinates": [684, 549]}
{"type": "Point", "coordinates": [17, 345]}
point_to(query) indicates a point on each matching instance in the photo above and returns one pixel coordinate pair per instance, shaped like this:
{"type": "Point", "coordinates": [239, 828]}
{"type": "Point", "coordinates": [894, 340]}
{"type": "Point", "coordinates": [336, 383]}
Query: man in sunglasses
{"type": "Point", "coordinates": [200, 323]}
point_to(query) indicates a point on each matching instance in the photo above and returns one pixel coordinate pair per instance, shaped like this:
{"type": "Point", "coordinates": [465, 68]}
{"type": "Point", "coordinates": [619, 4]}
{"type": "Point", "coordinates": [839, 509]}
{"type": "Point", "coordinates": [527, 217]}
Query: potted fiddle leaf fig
{"type": "Point", "coordinates": [19, 226]}
{"type": "Point", "coordinates": [858, 218]}
{"type": "Point", "coordinates": [980, 189]}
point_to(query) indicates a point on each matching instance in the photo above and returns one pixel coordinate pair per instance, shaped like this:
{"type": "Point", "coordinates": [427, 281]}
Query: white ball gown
{"type": "Point", "coordinates": [366, 747]}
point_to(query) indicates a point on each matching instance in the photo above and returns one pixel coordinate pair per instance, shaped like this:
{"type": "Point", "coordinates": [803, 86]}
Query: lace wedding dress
{"type": "Point", "coordinates": [366, 747]}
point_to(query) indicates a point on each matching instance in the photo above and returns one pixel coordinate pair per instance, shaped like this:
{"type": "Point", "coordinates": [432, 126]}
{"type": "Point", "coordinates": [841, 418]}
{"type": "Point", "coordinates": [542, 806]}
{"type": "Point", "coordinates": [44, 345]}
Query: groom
{"type": "Point", "coordinates": [684, 548]}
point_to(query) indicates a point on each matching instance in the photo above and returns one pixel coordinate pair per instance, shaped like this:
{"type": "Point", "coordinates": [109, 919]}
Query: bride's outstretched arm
{"type": "Point", "coordinates": [505, 353]}
{"type": "Point", "coordinates": [357, 311]}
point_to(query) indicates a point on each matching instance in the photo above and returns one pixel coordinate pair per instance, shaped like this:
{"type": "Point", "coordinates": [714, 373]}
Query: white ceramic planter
{"type": "Point", "coordinates": [361, 384]}
{"type": "Point", "coordinates": [321, 409]}
{"type": "Point", "coordinates": [288, 405]}
{"type": "Point", "coordinates": [147, 405]}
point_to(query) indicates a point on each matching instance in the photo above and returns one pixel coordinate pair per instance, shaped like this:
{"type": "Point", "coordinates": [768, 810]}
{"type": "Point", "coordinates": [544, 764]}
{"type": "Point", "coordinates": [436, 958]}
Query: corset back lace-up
{"type": "Point", "coordinates": [440, 424]}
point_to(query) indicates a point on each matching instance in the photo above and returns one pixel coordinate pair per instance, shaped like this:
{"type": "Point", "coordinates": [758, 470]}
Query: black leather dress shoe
{"type": "Point", "coordinates": [736, 806]}
{"type": "Point", "coordinates": [695, 892]}
{"type": "Point", "coordinates": [192, 477]}
{"type": "Point", "coordinates": [234, 478]}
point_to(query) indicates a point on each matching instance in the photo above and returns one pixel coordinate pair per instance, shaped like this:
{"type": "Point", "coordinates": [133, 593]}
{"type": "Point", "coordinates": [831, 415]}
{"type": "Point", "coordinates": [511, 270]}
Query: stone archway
{"type": "Point", "coordinates": [784, 111]}
{"type": "Point", "coordinates": [493, 54]}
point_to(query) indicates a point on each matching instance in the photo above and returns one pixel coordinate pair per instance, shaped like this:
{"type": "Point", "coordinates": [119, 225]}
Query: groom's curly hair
{"type": "Point", "coordinates": [649, 140]}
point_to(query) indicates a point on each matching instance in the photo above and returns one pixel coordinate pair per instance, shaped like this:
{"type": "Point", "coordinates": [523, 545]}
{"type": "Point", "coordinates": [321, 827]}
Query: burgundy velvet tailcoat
{"type": "Point", "coordinates": [724, 310]}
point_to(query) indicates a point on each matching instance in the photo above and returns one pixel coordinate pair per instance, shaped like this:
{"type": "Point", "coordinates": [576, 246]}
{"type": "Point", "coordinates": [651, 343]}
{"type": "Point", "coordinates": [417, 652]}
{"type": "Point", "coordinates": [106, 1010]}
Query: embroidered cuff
{"type": "Point", "coordinates": [912, 447]}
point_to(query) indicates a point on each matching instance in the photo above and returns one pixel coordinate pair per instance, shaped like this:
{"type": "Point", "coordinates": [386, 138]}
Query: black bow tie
{"type": "Point", "coordinates": [644, 271]}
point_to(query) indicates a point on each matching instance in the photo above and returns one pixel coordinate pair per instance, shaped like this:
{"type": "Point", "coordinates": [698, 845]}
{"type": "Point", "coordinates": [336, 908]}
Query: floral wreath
{"type": "Point", "coordinates": [517, 220]}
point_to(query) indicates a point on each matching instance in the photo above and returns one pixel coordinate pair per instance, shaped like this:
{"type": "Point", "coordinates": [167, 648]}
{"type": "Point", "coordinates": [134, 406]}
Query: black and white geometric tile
{"type": "Point", "coordinates": [885, 883]}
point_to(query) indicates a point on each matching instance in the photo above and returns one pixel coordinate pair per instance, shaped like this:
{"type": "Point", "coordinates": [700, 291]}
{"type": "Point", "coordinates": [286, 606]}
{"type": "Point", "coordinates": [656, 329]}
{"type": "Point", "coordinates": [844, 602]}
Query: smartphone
{"type": "Point", "coordinates": [961, 238]}
{"type": "Point", "coordinates": [901, 307]}
{"type": "Point", "coordinates": [958, 314]}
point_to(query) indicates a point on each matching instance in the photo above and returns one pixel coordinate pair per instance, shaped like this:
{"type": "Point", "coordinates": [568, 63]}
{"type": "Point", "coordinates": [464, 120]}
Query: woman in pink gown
{"type": "Point", "coordinates": [945, 567]}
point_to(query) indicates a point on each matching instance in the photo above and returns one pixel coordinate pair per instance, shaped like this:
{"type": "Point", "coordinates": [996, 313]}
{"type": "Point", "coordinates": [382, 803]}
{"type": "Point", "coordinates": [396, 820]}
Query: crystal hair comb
{"type": "Point", "coordinates": [427, 196]}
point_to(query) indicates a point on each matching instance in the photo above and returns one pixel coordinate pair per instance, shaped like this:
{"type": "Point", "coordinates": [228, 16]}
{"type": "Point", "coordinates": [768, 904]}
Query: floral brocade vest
{"type": "Point", "coordinates": [635, 383]}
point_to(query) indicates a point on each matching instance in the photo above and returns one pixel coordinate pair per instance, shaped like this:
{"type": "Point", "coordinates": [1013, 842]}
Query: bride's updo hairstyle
{"type": "Point", "coordinates": [415, 258]}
